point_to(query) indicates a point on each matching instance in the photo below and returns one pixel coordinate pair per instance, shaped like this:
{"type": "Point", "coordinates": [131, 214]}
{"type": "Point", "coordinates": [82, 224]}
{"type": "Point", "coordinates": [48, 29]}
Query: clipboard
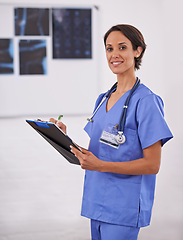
{"type": "Point", "coordinates": [57, 138]}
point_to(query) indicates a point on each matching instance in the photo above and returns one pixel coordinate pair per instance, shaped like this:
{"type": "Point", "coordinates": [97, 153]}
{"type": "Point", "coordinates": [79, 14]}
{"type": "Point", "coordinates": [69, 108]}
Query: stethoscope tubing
{"type": "Point", "coordinates": [121, 125]}
{"type": "Point", "coordinates": [122, 120]}
{"type": "Point", "coordinates": [103, 100]}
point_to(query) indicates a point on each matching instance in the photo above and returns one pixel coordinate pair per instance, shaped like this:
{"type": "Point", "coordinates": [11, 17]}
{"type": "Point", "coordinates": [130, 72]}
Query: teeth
{"type": "Point", "coordinates": [116, 63]}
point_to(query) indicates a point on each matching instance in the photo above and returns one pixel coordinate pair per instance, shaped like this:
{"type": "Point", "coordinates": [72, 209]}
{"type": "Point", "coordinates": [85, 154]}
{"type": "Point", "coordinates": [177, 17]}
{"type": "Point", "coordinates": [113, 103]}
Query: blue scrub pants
{"type": "Point", "coordinates": [107, 231]}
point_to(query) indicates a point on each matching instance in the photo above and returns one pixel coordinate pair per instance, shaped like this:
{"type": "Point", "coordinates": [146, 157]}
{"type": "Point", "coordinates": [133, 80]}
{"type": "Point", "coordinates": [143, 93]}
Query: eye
{"type": "Point", "coordinates": [109, 49]}
{"type": "Point", "coordinates": [122, 47]}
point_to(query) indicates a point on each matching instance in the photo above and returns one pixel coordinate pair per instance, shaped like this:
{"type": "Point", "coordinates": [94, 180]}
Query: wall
{"type": "Point", "coordinates": [45, 94]}
{"type": "Point", "coordinates": [36, 187]}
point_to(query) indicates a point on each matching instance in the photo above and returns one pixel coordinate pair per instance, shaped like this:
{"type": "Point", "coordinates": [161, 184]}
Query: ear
{"type": "Point", "coordinates": [138, 52]}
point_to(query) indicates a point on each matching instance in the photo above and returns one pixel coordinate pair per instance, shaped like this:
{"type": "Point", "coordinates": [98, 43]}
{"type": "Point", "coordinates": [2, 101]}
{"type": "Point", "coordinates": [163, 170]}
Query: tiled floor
{"type": "Point", "coordinates": [40, 193]}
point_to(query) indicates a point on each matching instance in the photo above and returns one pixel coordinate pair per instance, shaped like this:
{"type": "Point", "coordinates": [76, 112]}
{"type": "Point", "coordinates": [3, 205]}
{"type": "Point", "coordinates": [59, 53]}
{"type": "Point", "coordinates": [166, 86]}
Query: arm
{"type": "Point", "coordinates": [149, 164]}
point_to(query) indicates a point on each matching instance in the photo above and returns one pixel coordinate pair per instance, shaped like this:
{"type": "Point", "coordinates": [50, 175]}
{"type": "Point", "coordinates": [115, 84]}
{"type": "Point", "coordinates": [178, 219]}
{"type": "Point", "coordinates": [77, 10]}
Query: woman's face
{"type": "Point", "coordinates": [120, 54]}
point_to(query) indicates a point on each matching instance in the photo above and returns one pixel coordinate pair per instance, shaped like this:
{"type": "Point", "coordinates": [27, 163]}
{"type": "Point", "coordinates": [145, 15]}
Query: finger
{"type": "Point", "coordinates": [62, 126]}
{"type": "Point", "coordinates": [76, 152]}
{"type": "Point", "coordinates": [52, 120]}
{"type": "Point", "coordinates": [85, 151]}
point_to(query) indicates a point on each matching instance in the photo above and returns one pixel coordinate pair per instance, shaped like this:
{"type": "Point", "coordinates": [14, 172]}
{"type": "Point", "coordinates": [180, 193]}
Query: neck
{"type": "Point", "coordinates": [125, 83]}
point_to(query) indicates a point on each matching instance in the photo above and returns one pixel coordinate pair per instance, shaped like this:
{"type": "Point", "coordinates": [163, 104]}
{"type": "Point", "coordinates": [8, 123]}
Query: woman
{"type": "Point", "coordinates": [120, 178]}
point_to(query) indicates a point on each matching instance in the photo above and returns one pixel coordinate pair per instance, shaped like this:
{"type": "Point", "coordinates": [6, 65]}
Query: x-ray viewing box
{"type": "Point", "coordinates": [56, 137]}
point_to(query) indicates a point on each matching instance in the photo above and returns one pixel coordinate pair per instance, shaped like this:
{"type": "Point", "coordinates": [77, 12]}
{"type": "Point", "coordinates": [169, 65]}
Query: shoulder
{"type": "Point", "coordinates": [148, 102]}
{"type": "Point", "coordinates": [145, 94]}
{"type": "Point", "coordinates": [144, 91]}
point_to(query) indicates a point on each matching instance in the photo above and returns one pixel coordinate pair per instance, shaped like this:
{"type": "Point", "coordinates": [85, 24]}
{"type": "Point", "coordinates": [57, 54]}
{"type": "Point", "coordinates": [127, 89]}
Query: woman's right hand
{"type": "Point", "coordinates": [59, 124]}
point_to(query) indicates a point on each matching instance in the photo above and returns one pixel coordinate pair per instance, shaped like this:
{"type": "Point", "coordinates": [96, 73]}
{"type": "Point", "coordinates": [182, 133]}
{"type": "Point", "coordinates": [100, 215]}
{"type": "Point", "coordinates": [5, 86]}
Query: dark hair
{"type": "Point", "coordinates": [134, 35]}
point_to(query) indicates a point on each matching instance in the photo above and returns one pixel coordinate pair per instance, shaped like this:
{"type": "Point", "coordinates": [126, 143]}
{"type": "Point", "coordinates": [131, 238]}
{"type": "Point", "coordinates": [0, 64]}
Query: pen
{"type": "Point", "coordinates": [59, 117]}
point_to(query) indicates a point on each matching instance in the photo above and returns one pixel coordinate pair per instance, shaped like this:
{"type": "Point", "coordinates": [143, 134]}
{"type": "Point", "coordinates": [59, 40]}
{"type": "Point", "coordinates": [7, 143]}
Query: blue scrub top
{"type": "Point", "coordinates": [118, 198]}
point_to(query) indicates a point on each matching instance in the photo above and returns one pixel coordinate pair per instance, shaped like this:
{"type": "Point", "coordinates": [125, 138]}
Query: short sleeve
{"type": "Point", "coordinates": [89, 125]}
{"type": "Point", "coordinates": [152, 126]}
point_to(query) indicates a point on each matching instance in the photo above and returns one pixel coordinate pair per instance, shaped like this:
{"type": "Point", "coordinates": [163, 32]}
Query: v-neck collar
{"type": "Point", "coordinates": [116, 103]}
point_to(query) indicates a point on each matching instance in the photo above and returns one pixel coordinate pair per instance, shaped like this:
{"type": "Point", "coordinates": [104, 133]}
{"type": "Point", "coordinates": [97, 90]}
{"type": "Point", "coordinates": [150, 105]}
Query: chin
{"type": "Point", "coordinates": [115, 71]}
{"type": "Point", "coordinates": [122, 71]}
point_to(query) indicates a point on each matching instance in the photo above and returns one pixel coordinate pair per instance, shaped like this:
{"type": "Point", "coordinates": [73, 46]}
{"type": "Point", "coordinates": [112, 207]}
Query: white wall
{"type": "Point", "coordinates": [49, 93]}
{"type": "Point", "coordinates": [35, 190]}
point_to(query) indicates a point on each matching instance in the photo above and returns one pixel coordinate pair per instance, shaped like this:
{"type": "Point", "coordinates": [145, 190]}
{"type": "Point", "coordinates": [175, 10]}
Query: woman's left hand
{"type": "Point", "coordinates": [87, 159]}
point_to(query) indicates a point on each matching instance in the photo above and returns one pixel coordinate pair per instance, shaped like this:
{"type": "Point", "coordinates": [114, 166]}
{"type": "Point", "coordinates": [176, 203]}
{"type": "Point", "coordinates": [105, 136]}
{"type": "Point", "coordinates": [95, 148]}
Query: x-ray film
{"type": "Point", "coordinates": [6, 56]}
{"type": "Point", "coordinates": [72, 33]}
{"type": "Point", "coordinates": [32, 57]}
{"type": "Point", "coordinates": [31, 21]}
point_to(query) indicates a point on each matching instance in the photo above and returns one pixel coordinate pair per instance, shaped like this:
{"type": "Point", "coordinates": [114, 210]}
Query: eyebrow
{"type": "Point", "coordinates": [118, 44]}
{"type": "Point", "coordinates": [122, 43]}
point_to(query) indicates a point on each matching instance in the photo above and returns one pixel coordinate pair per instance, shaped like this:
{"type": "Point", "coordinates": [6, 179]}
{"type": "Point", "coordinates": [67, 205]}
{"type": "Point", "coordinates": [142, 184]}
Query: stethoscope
{"type": "Point", "coordinates": [120, 137]}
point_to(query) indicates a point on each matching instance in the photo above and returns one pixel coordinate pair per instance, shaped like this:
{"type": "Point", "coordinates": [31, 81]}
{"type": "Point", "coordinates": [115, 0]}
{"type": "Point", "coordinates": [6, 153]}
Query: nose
{"type": "Point", "coordinates": [115, 54]}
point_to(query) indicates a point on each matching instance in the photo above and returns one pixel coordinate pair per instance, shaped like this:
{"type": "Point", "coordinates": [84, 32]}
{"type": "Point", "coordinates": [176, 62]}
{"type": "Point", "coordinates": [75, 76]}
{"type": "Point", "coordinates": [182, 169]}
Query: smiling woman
{"type": "Point", "coordinates": [134, 36]}
{"type": "Point", "coordinates": [120, 175]}
{"type": "Point", "coordinates": [120, 181]}
{"type": "Point", "coordinates": [120, 53]}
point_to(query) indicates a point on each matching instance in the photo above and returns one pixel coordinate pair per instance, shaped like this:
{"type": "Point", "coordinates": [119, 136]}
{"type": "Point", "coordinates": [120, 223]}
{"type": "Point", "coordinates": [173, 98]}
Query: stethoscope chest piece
{"type": "Point", "coordinates": [120, 138]}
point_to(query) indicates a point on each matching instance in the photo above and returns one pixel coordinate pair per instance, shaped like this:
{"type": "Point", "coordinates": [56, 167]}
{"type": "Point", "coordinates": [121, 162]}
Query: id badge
{"type": "Point", "coordinates": [108, 136]}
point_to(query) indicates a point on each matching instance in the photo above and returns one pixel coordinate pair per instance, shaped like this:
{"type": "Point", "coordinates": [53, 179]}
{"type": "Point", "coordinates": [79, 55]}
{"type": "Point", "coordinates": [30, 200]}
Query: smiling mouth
{"type": "Point", "coordinates": [116, 63]}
